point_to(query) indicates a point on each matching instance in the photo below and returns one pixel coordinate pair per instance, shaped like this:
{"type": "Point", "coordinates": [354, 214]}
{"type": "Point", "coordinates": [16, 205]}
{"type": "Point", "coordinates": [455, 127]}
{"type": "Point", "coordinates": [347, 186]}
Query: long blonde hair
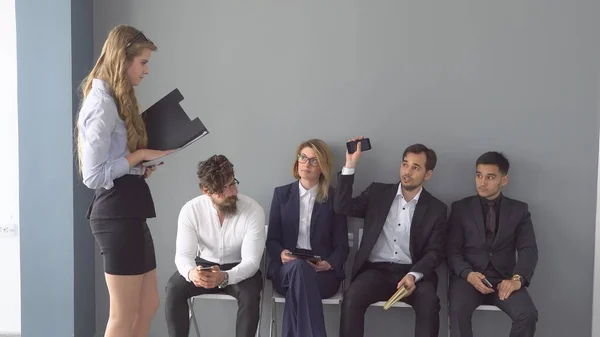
{"type": "Point", "coordinates": [122, 45]}
{"type": "Point", "coordinates": [325, 159]}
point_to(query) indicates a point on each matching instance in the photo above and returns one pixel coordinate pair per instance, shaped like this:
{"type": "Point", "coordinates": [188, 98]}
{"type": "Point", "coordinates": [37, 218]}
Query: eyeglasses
{"type": "Point", "coordinates": [302, 158]}
{"type": "Point", "coordinates": [139, 37]}
{"type": "Point", "coordinates": [234, 184]}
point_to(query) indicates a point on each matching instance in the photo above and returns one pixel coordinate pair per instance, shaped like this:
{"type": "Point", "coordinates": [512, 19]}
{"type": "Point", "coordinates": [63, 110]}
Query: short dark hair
{"type": "Point", "coordinates": [494, 158]}
{"type": "Point", "coordinates": [431, 157]}
{"type": "Point", "coordinates": [215, 173]}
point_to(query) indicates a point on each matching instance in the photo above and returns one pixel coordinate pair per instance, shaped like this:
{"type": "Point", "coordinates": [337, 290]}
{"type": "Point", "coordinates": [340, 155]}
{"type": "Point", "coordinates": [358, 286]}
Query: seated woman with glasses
{"type": "Point", "coordinates": [307, 242]}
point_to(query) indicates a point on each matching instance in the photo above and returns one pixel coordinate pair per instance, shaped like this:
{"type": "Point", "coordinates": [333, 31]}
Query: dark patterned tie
{"type": "Point", "coordinates": [490, 222]}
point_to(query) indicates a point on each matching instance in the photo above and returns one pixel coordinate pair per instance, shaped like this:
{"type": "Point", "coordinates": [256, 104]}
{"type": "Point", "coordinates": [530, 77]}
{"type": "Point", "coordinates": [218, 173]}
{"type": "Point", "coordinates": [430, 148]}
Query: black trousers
{"type": "Point", "coordinates": [378, 282]}
{"type": "Point", "coordinates": [464, 299]}
{"type": "Point", "coordinates": [247, 293]}
{"type": "Point", "coordinates": [303, 289]}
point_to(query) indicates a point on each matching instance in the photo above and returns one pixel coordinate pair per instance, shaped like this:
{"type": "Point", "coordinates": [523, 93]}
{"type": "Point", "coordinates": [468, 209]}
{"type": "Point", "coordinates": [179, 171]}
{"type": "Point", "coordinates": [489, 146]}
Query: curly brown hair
{"type": "Point", "coordinates": [215, 173]}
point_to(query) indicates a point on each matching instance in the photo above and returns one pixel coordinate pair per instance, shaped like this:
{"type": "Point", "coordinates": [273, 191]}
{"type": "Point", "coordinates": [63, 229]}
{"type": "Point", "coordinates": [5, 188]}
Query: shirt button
{"type": "Point", "coordinates": [396, 253]}
{"type": "Point", "coordinates": [490, 253]}
{"type": "Point", "coordinates": [394, 240]}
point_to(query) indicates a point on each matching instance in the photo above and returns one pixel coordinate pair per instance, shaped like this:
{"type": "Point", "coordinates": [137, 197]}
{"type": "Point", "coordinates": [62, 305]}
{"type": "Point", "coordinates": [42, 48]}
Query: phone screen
{"type": "Point", "coordinates": [365, 145]}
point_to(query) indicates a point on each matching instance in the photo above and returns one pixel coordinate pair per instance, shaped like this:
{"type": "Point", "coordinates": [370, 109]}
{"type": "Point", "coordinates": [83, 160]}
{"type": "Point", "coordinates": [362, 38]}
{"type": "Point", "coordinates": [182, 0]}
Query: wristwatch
{"type": "Point", "coordinates": [225, 280]}
{"type": "Point", "coordinates": [517, 277]}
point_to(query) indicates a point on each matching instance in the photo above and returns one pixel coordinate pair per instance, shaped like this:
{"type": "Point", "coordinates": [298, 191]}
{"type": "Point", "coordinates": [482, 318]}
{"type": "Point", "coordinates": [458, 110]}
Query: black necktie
{"type": "Point", "coordinates": [490, 219]}
{"type": "Point", "coordinates": [490, 223]}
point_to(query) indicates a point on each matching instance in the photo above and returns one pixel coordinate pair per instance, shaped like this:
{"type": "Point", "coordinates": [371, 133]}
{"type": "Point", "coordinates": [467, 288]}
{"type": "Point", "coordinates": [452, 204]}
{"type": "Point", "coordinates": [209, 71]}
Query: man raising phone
{"type": "Point", "coordinates": [403, 241]}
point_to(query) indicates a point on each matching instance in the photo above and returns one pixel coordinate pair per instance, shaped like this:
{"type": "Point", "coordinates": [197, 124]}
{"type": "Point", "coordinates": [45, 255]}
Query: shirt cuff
{"type": "Point", "coordinates": [120, 168]}
{"type": "Point", "coordinates": [234, 276]}
{"type": "Point", "coordinates": [137, 170]}
{"type": "Point", "coordinates": [185, 271]}
{"type": "Point", "coordinates": [347, 171]}
{"type": "Point", "coordinates": [418, 276]}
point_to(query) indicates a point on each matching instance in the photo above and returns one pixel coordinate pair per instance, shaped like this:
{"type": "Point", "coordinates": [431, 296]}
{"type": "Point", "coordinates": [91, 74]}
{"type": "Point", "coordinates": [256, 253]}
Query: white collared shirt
{"type": "Point", "coordinates": [393, 243]}
{"type": "Point", "coordinates": [241, 237]}
{"type": "Point", "coordinates": [307, 202]}
{"type": "Point", "coordinates": [103, 139]}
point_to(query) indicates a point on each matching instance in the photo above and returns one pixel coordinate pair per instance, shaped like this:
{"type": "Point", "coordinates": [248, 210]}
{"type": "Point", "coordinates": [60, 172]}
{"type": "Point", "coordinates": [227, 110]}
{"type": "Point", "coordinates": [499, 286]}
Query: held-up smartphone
{"type": "Point", "coordinates": [365, 145]}
{"type": "Point", "coordinates": [487, 283]}
{"type": "Point", "coordinates": [205, 268]}
{"type": "Point", "coordinates": [311, 258]}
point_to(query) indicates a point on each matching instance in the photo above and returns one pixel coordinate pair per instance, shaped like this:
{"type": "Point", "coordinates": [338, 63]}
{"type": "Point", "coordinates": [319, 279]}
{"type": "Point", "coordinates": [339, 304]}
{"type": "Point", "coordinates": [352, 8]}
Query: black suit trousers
{"type": "Point", "coordinates": [378, 282]}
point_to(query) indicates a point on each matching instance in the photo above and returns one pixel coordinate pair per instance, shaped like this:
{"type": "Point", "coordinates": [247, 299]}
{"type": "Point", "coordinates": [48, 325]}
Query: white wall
{"type": "Point", "coordinates": [10, 306]}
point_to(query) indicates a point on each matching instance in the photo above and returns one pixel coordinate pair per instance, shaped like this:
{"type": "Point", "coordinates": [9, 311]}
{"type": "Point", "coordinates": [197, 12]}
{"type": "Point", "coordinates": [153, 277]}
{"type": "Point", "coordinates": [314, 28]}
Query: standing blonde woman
{"type": "Point", "coordinates": [112, 143]}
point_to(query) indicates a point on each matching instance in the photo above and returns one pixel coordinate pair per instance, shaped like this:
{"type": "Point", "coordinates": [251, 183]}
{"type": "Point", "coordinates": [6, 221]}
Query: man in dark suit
{"type": "Point", "coordinates": [403, 242]}
{"type": "Point", "coordinates": [485, 232]}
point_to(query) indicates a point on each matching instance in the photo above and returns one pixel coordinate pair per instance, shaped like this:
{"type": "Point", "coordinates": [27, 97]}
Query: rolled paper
{"type": "Point", "coordinates": [395, 298]}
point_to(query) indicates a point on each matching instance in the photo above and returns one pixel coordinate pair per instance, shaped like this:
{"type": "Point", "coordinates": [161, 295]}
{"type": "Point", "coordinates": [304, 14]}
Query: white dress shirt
{"type": "Point", "coordinates": [103, 139]}
{"type": "Point", "coordinates": [241, 237]}
{"type": "Point", "coordinates": [393, 243]}
{"type": "Point", "coordinates": [307, 202]}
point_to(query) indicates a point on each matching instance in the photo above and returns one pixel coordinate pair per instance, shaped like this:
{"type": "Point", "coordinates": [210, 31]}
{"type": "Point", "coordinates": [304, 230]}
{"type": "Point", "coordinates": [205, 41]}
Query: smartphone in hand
{"type": "Point", "coordinates": [487, 283]}
{"type": "Point", "coordinates": [365, 145]}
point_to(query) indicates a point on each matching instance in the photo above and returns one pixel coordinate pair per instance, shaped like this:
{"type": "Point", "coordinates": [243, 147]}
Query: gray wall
{"type": "Point", "coordinates": [82, 53]}
{"type": "Point", "coordinates": [463, 77]}
{"type": "Point", "coordinates": [57, 266]}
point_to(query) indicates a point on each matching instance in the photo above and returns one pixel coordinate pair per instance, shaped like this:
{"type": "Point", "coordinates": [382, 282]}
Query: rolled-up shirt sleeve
{"type": "Point", "coordinates": [186, 246]}
{"type": "Point", "coordinates": [253, 246]}
{"type": "Point", "coordinates": [98, 121]}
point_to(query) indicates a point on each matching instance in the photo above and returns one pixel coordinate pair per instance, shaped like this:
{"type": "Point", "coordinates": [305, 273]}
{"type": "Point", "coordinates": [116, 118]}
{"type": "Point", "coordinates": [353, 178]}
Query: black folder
{"type": "Point", "coordinates": [168, 125]}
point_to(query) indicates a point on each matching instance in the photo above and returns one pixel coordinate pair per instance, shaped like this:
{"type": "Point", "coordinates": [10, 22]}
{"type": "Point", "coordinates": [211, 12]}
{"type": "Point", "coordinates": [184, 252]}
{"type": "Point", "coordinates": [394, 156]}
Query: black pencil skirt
{"type": "Point", "coordinates": [125, 244]}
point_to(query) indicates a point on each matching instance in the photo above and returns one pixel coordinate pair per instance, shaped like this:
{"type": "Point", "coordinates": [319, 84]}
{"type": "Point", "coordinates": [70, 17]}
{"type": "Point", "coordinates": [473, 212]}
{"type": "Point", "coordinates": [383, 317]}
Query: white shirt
{"type": "Point", "coordinates": [241, 237]}
{"type": "Point", "coordinates": [103, 139]}
{"type": "Point", "coordinates": [393, 243]}
{"type": "Point", "coordinates": [307, 202]}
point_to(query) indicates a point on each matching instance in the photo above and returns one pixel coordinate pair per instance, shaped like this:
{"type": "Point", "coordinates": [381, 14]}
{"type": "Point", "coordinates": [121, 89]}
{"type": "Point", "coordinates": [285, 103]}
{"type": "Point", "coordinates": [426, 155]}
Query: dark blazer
{"type": "Point", "coordinates": [468, 250]}
{"type": "Point", "coordinates": [328, 231]}
{"type": "Point", "coordinates": [427, 231]}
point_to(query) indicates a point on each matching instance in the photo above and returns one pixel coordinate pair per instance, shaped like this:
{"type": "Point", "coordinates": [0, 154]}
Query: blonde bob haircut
{"type": "Point", "coordinates": [325, 159]}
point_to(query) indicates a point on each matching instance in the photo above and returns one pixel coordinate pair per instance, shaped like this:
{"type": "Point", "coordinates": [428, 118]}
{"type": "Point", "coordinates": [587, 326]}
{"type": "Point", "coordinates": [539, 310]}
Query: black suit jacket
{"type": "Point", "coordinates": [328, 231]}
{"type": "Point", "coordinates": [468, 250]}
{"type": "Point", "coordinates": [427, 231]}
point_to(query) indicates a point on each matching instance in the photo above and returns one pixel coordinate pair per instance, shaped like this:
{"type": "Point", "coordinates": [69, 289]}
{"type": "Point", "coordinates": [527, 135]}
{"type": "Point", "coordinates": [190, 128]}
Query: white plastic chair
{"type": "Point", "coordinates": [398, 304]}
{"type": "Point", "coordinates": [486, 307]}
{"type": "Point", "coordinates": [226, 297]}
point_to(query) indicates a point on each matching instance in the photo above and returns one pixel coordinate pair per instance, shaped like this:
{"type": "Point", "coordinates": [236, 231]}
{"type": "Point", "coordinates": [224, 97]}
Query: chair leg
{"type": "Point", "coordinates": [260, 313]}
{"type": "Point", "coordinates": [262, 294]}
{"type": "Point", "coordinates": [193, 316]}
{"type": "Point", "coordinates": [273, 321]}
